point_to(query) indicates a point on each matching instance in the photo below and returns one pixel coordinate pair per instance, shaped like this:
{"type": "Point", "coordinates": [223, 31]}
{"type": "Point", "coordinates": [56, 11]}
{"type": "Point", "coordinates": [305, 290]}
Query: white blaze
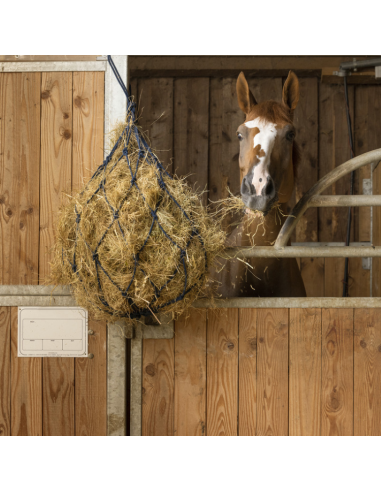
{"type": "Point", "coordinates": [266, 139]}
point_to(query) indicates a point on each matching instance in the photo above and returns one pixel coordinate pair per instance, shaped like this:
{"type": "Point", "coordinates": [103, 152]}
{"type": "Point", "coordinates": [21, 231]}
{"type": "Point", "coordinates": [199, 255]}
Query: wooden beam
{"type": "Point", "coordinates": [230, 66]}
{"type": "Point", "coordinates": [50, 58]}
{"type": "Point", "coordinates": [367, 76]}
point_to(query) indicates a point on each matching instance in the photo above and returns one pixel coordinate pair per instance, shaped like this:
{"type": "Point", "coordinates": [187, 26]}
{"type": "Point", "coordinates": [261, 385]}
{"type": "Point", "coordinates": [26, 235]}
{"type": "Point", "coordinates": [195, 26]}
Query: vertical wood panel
{"type": "Point", "coordinates": [367, 355]}
{"type": "Point", "coordinates": [333, 151]}
{"type": "Point", "coordinates": [222, 372]}
{"type": "Point", "coordinates": [337, 372]}
{"type": "Point", "coordinates": [247, 372]}
{"type": "Point", "coordinates": [91, 386]}
{"type": "Point", "coordinates": [88, 131]}
{"type": "Point", "coordinates": [306, 122]}
{"type": "Point", "coordinates": [19, 177]}
{"type": "Point", "coordinates": [305, 372]}
{"type": "Point", "coordinates": [272, 372]}
{"type": "Point", "coordinates": [190, 374]}
{"type": "Point", "coordinates": [158, 388]}
{"type": "Point", "coordinates": [191, 131]}
{"type": "Point", "coordinates": [5, 371]}
{"type": "Point", "coordinates": [26, 389]}
{"type": "Point", "coordinates": [56, 159]}
{"type": "Point", "coordinates": [156, 116]}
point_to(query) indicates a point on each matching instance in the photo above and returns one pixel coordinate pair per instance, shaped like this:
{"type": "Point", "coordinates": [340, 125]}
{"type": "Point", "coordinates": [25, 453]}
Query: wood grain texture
{"type": "Point", "coordinates": [56, 160]}
{"type": "Point", "coordinates": [272, 372]}
{"type": "Point", "coordinates": [88, 132]}
{"type": "Point", "coordinates": [333, 151]}
{"type": "Point", "coordinates": [306, 121]}
{"type": "Point", "coordinates": [91, 385]}
{"type": "Point", "coordinates": [5, 371]}
{"type": "Point", "coordinates": [337, 372]}
{"type": "Point", "coordinates": [367, 370]}
{"type": "Point", "coordinates": [26, 389]}
{"type": "Point", "coordinates": [247, 418]}
{"type": "Point", "coordinates": [56, 156]}
{"type": "Point", "coordinates": [222, 372]}
{"type": "Point", "coordinates": [156, 116]}
{"type": "Point", "coordinates": [305, 372]}
{"type": "Point", "coordinates": [191, 131]}
{"type": "Point", "coordinates": [19, 177]}
{"type": "Point", "coordinates": [58, 397]}
{"type": "Point", "coordinates": [158, 388]}
{"type": "Point", "coordinates": [190, 374]}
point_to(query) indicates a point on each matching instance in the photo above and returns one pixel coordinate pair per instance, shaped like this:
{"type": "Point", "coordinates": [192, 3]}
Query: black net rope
{"type": "Point", "coordinates": [144, 153]}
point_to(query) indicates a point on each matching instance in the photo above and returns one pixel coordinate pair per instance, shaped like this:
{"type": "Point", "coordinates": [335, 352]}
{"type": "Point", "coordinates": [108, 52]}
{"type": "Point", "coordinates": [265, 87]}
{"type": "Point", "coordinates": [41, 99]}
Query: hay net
{"type": "Point", "coordinates": [130, 162]}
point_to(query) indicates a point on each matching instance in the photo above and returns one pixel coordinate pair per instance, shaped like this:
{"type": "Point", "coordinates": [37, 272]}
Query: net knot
{"type": "Point", "coordinates": [116, 215]}
{"type": "Point", "coordinates": [78, 219]}
{"type": "Point", "coordinates": [96, 257]}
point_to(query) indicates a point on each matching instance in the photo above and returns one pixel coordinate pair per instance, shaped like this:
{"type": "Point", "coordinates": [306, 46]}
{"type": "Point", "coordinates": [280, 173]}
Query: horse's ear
{"type": "Point", "coordinates": [245, 98]}
{"type": "Point", "coordinates": [291, 91]}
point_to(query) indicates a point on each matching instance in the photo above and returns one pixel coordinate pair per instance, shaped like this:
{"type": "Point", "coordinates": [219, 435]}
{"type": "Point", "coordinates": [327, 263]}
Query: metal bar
{"type": "Point", "coordinates": [372, 62]}
{"type": "Point", "coordinates": [136, 387]}
{"type": "Point", "coordinates": [41, 301]}
{"type": "Point", "coordinates": [345, 201]}
{"type": "Point", "coordinates": [318, 188]}
{"type": "Point", "coordinates": [115, 109]}
{"type": "Point", "coordinates": [34, 290]}
{"type": "Point", "coordinates": [303, 252]}
{"type": "Point", "coordinates": [60, 66]}
{"type": "Point", "coordinates": [116, 380]}
{"type": "Point", "coordinates": [335, 245]}
{"type": "Point", "coordinates": [290, 302]}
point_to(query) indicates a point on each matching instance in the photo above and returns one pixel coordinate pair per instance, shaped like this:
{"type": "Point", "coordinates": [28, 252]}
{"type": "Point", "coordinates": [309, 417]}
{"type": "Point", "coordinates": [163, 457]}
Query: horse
{"type": "Point", "coordinates": [268, 158]}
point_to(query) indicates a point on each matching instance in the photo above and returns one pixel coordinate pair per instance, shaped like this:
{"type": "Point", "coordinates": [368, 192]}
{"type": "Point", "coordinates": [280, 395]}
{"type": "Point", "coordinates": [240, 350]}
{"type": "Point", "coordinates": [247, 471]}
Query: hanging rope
{"type": "Point", "coordinates": [144, 153]}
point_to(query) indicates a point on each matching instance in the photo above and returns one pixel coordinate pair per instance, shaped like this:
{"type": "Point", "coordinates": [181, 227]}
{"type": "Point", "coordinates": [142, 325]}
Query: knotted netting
{"type": "Point", "coordinates": [135, 241]}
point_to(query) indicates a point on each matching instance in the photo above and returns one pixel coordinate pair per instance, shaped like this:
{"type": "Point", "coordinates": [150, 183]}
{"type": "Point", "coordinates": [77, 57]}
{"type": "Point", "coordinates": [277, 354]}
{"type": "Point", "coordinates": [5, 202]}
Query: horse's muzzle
{"type": "Point", "coordinates": [262, 202]}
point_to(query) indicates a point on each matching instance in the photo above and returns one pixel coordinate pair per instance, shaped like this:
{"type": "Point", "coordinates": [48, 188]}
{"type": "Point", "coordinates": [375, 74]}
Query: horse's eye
{"type": "Point", "coordinates": [240, 137]}
{"type": "Point", "coordinates": [290, 136]}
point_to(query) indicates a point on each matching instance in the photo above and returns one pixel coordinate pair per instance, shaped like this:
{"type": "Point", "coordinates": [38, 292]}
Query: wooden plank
{"type": "Point", "coordinates": [305, 372]}
{"type": "Point", "coordinates": [56, 156]}
{"type": "Point", "coordinates": [19, 177]}
{"type": "Point", "coordinates": [230, 66]}
{"type": "Point", "coordinates": [91, 386]}
{"type": "Point", "coordinates": [222, 372]}
{"type": "Point", "coordinates": [5, 371]}
{"type": "Point", "coordinates": [88, 131]}
{"type": "Point", "coordinates": [158, 388]}
{"type": "Point", "coordinates": [247, 418]}
{"type": "Point", "coordinates": [56, 153]}
{"type": "Point", "coordinates": [156, 116]}
{"type": "Point", "coordinates": [272, 372]}
{"type": "Point", "coordinates": [337, 372]}
{"type": "Point", "coordinates": [26, 389]}
{"type": "Point", "coordinates": [306, 121]}
{"type": "Point", "coordinates": [333, 151]}
{"type": "Point", "coordinates": [191, 131]}
{"type": "Point", "coordinates": [363, 77]}
{"type": "Point", "coordinates": [190, 374]}
{"type": "Point", "coordinates": [367, 370]}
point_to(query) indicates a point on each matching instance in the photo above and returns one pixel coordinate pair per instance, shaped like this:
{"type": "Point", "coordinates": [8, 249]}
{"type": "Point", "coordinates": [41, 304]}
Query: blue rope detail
{"type": "Point", "coordinates": [144, 153]}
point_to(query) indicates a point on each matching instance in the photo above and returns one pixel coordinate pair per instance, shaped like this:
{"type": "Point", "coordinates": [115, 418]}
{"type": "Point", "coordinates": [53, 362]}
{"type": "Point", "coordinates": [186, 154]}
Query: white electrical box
{"type": "Point", "coordinates": [52, 332]}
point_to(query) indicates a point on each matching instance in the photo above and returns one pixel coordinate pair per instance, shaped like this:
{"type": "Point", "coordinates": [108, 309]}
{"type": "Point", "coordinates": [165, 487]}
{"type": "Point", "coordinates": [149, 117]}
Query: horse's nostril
{"type": "Point", "coordinates": [269, 187]}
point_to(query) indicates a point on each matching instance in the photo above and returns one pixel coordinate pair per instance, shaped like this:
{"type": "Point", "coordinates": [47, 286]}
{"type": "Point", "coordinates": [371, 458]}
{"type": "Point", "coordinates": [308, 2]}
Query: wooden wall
{"type": "Point", "coordinates": [51, 139]}
{"type": "Point", "coordinates": [194, 120]}
{"type": "Point", "coordinates": [266, 372]}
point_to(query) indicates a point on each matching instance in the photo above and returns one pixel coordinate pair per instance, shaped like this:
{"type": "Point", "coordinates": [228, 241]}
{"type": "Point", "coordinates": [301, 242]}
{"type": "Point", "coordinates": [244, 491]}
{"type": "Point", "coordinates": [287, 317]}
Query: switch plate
{"type": "Point", "coordinates": [52, 332]}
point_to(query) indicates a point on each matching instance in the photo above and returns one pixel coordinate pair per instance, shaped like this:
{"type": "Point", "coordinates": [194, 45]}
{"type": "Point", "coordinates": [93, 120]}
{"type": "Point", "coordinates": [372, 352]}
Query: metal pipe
{"type": "Point", "coordinates": [318, 188]}
{"type": "Point", "coordinates": [303, 252]}
{"type": "Point", "coordinates": [372, 62]}
{"type": "Point", "coordinates": [345, 201]}
{"type": "Point", "coordinates": [289, 302]}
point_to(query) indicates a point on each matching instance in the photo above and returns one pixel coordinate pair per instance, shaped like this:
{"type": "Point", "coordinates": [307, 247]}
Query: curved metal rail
{"type": "Point", "coordinates": [311, 197]}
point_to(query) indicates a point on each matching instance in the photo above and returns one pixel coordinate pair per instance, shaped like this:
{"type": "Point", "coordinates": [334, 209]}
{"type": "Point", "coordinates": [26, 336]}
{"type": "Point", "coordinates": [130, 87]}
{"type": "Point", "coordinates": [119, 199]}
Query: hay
{"type": "Point", "coordinates": [160, 269]}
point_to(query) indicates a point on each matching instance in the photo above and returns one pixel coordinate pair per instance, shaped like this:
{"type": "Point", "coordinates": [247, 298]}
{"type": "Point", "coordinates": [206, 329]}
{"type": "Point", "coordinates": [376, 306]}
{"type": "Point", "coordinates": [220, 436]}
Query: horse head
{"type": "Point", "coordinates": [267, 146]}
